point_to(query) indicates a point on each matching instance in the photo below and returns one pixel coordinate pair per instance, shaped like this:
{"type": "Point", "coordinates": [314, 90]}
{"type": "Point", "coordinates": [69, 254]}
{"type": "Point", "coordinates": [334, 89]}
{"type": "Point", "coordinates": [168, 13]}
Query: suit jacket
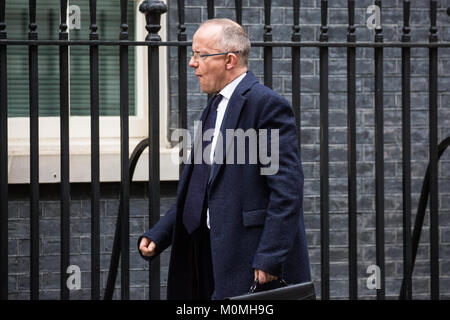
{"type": "Point", "coordinates": [256, 220]}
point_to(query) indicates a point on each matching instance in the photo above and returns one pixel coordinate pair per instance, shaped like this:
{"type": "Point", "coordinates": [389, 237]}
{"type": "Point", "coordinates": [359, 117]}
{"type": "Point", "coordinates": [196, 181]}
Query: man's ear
{"type": "Point", "coordinates": [232, 61]}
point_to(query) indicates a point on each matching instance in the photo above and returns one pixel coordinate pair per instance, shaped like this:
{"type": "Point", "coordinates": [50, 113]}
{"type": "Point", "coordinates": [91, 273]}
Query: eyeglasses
{"type": "Point", "coordinates": [197, 55]}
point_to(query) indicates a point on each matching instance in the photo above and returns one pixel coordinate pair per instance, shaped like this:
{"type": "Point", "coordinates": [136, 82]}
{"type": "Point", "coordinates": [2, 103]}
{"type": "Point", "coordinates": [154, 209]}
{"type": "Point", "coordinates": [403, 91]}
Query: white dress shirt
{"type": "Point", "coordinates": [226, 93]}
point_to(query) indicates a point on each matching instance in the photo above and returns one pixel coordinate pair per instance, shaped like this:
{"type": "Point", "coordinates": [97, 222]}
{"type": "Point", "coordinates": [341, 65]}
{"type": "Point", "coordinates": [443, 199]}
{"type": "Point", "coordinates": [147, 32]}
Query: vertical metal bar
{"type": "Point", "coordinates": [406, 153]}
{"type": "Point", "coordinates": [182, 80]}
{"type": "Point", "coordinates": [210, 9]}
{"type": "Point", "coordinates": [124, 157]}
{"type": "Point", "coordinates": [3, 160]}
{"type": "Point", "coordinates": [379, 160]}
{"type": "Point", "coordinates": [238, 5]}
{"type": "Point", "coordinates": [267, 49]}
{"type": "Point", "coordinates": [351, 155]}
{"type": "Point", "coordinates": [324, 160]}
{"type": "Point", "coordinates": [95, 157]}
{"type": "Point", "coordinates": [433, 123]}
{"type": "Point", "coordinates": [154, 190]}
{"type": "Point", "coordinates": [34, 155]}
{"type": "Point", "coordinates": [153, 13]}
{"type": "Point", "coordinates": [65, 156]}
{"type": "Point", "coordinates": [296, 71]}
{"type": "Point", "coordinates": [211, 15]}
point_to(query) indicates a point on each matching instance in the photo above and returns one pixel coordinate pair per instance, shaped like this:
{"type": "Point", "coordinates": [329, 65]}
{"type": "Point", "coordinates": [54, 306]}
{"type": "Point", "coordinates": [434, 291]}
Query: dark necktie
{"type": "Point", "coordinates": [196, 192]}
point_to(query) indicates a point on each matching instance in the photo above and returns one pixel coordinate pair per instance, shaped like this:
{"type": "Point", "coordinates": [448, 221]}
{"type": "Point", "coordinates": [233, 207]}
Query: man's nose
{"type": "Point", "coordinates": [193, 63]}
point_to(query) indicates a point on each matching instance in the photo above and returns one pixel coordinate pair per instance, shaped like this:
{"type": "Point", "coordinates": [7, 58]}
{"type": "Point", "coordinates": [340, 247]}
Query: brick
{"type": "Point", "coordinates": [393, 202]}
{"type": "Point", "coordinates": [24, 209]}
{"type": "Point", "coordinates": [313, 238]}
{"type": "Point", "coordinates": [364, 34]}
{"type": "Point", "coordinates": [337, 152]}
{"type": "Point", "coordinates": [311, 187]}
{"type": "Point", "coordinates": [50, 281]}
{"type": "Point", "coordinates": [139, 208]}
{"type": "Point", "coordinates": [193, 15]}
{"type": "Point", "coordinates": [282, 67]}
{"type": "Point", "coordinates": [445, 34]}
{"type": "Point", "coordinates": [23, 282]}
{"type": "Point", "coordinates": [138, 277]}
{"type": "Point", "coordinates": [12, 247]}
{"type": "Point", "coordinates": [49, 294]}
{"type": "Point", "coordinates": [338, 136]}
{"type": "Point", "coordinates": [339, 188]}
{"type": "Point", "coordinates": [310, 153]}
{"type": "Point", "coordinates": [337, 253]}
{"type": "Point", "coordinates": [13, 210]}
{"type": "Point", "coordinates": [50, 246]}
{"type": "Point", "coordinates": [424, 4]}
{"type": "Point", "coordinates": [108, 226]}
{"type": "Point", "coordinates": [339, 237]}
{"type": "Point", "coordinates": [82, 294]}
{"type": "Point", "coordinates": [18, 229]}
{"type": "Point", "coordinates": [337, 170]}
{"type": "Point", "coordinates": [12, 283]}
{"type": "Point", "coordinates": [337, 84]}
{"type": "Point", "coordinates": [339, 221]}
{"type": "Point", "coordinates": [310, 135]}
{"type": "Point", "coordinates": [51, 209]}
{"type": "Point", "coordinates": [137, 293]}
{"type": "Point", "coordinates": [312, 221]}
{"type": "Point", "coordinates": [18, 265]}
{"type": "Point", "coordinates": [50, 263]}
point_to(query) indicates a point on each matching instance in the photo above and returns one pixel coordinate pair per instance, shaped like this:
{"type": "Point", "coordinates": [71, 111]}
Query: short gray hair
{"type": "Point", "coordinates": [233, 38]}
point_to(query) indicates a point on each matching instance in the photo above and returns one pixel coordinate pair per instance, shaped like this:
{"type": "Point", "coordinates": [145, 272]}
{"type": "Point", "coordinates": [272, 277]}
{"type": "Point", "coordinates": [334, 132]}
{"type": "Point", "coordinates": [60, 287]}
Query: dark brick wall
{"type": "Point", "coordinates": [80, 239]}
{"type": "Point", "coordinates": [253, 20]}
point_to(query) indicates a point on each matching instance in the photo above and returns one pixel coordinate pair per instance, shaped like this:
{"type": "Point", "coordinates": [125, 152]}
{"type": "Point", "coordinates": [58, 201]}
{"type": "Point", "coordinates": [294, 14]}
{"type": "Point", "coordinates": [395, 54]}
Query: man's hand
{"type": "Point", "coordinates": [264, 277]}
{"type": "Point", "coordinates": [147, 247]}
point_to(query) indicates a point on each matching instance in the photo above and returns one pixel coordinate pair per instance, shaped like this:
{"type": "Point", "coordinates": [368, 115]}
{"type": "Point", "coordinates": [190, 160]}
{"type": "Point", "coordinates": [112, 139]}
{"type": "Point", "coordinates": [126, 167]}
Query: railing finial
{"type": "Point", "coordinates": [433, 18]}
{"type": "Point", "coordinates": [2, 19]}
{"type": "Point", "coordinates": [406, 36]}
{"type": "Point", "coordinates": [324, 21]}
{"type": "Point", "coordinates": [351, 36]}
{"type": "Point", "coordinates": [296, 25]}
{"type": "Point", "coordinates": [153, 9]}
{"type": "Point", "coordinates": [63, 24]}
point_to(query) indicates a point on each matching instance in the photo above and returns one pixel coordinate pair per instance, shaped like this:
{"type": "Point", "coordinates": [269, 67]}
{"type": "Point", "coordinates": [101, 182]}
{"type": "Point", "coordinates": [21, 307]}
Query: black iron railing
{"type": "Point", "coordinates": [153, 10]}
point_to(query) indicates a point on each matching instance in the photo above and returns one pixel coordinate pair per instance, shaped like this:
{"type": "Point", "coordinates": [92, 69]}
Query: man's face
{"type": "Point", "coordinates": [210, 71]}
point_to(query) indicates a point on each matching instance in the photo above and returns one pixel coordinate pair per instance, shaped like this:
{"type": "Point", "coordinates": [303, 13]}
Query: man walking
{"type": "Point", "coordinates": [232, 224]}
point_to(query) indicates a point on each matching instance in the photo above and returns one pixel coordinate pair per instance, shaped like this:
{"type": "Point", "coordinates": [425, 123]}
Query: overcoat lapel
{"type": "Point", "coordinates": [231, 118]}
{"type": "Point", "coordinates": [187, 170]}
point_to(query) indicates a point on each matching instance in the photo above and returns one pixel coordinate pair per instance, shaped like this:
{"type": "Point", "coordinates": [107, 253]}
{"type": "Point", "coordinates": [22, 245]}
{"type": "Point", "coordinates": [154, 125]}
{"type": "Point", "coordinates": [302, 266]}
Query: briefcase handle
{"type": "Point", "coordinates": [257, 287]}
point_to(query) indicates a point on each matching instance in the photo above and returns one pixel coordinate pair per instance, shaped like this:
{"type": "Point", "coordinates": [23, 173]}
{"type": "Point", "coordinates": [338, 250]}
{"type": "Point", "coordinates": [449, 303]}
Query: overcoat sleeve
{"type": "Point", "coordinates": [283, 212]}
{"type": "Point", "coordinates": [161, 233]}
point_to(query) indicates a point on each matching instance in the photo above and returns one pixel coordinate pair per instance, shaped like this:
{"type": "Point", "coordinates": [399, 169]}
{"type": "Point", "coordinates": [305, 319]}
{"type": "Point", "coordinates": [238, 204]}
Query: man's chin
{"type": "Point", "coordinates": [207, 91]}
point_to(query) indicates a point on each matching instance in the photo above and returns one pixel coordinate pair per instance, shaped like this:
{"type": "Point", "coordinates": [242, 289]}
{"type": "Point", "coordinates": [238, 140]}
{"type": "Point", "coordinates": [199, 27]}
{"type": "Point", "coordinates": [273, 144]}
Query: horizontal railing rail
{"type": "Point", "coordinates": [287, 44]}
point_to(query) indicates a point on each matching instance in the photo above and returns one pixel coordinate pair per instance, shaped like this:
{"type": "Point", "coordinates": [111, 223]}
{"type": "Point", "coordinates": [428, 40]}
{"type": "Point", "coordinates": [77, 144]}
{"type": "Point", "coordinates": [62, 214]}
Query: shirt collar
{"type": "Point", "coordinates": [227, 92]}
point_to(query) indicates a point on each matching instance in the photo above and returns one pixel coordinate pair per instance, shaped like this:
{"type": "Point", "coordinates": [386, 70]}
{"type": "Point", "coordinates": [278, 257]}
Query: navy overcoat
{"type": "Point", "coordinates": [256, 219]}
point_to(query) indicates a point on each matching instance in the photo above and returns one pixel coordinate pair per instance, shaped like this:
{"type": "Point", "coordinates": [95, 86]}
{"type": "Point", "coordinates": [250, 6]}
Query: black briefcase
{"type": "Point", "coordinates": [279, 290]}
